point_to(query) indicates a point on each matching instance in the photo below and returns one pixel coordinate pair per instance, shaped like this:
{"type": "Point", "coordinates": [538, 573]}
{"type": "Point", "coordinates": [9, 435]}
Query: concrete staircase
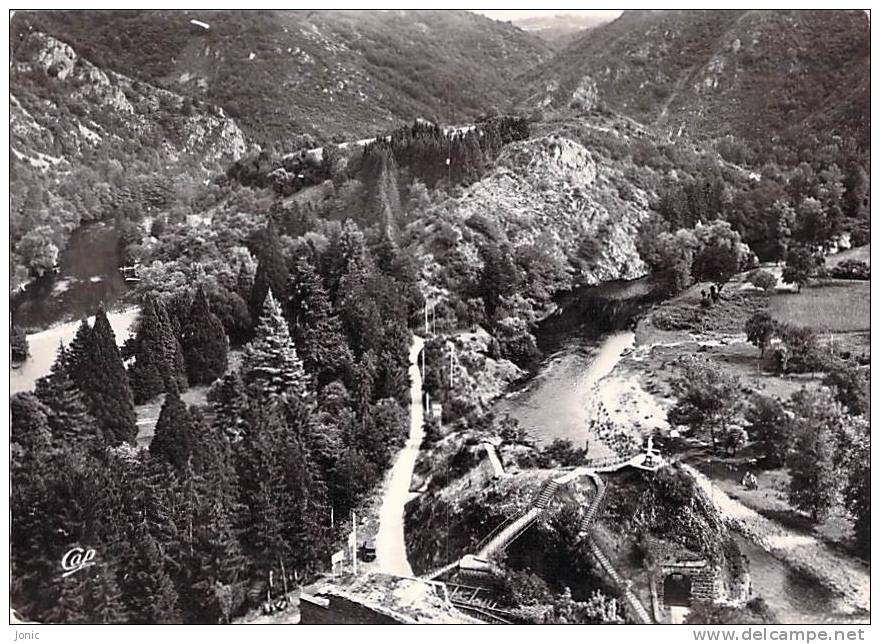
{"type": "Point", "coordinates": [593, 510]}
{"type": "Point", "coordinates": [630, 597]}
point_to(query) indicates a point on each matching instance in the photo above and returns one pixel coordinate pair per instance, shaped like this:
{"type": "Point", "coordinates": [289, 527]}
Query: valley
{"type": "Point", "coordinates": [575, 327]}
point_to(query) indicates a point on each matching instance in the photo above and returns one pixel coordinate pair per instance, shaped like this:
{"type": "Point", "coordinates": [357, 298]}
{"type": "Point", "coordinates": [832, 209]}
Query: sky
{"type": "Point", "coordinates": [514, 14]}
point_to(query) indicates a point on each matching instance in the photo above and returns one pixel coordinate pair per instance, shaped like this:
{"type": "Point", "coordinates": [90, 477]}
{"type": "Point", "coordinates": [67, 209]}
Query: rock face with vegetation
{"type": "Point", "coordinates": [75, 125]}
{"type": "Point", "coordinates": [552, 195]}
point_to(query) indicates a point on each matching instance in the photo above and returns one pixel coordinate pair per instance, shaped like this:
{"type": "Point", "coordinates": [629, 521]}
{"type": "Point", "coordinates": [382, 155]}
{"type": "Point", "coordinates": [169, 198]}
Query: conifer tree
{"type": "Point", "coordinates": [152, 597]}
{"type": "Point", "coordinates": [272, 274]}
{"type": "Point", "coordinates": [97, 369]}
{"type": "Point", "coordinates": [204, 341]}
{"type": "Point", "coordinates": [149, 374]}
{"type": "Point", "coordinates": [173, 438]}
{"type": "Point", "coordinates": [91, 596]}
{"type": "Point", "coordinates": [69, 418]}
{"type": "Point", "coordinates": [310, 536]}
{"type": "Point", "coordinates": [317, 332]}
{"type": "Point", "coordinates": [270, 361]}
{"type": "Point", "coordinates": [228, 398]}
{"type": "Point", "coordinates": [264, 493]}
{"type": "Point", "coordinates": [175, 366]}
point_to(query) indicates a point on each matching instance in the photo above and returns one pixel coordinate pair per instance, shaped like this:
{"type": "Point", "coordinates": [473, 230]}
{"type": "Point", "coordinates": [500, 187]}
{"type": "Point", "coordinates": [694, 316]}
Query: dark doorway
{"type": "Point", "coordinates": [677, 590]}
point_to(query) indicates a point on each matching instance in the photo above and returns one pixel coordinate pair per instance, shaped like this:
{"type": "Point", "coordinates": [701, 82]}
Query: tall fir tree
{"type": "Point", "coordinates": [97, 369]}
{"type": "Point", "coordinates": [270, 362]}
{"type": "Point", "coordinates": [172, 440]}
{"type": "Point", "coordinates": [272, 273]}
{"type": "Point", "coordinates": [264, 493]}
{"type": "Point", "coordinates": [228, 398]}
{"type": "Point", "coordinates": [175, 367]}
{"type": "Point", "coordinates": [69, 419]}
{"type": "Point", "coordinates": [205, 344]}
{"type": "Point", "coordinates": [149, 589]}
{"type": "Point", "coordinates": [149, 373]}
{"type": "Point", "coordinates": [317, 331]}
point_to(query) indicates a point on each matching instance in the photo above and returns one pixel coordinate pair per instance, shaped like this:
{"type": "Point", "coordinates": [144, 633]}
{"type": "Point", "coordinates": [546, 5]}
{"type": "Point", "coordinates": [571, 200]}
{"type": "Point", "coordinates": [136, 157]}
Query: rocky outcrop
{"type": "Point", "coordinates": [52, 85]}
{"type": "Point", "coordinates": [551, 193]}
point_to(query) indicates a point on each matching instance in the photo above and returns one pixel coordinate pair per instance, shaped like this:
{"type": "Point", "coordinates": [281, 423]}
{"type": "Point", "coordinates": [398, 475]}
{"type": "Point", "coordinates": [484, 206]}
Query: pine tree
{"type": "Point", "coordinates": [150, 593]}
{"type": "Point", "coordinates": [317, 332]}
{"type": "Point", "coordinates": [346, 255]}
{"type": "Point", "coordinates": [205, 343]}
{"type": "Point", "coordinates": [310, 536]}
{"type": "Point", "coordinates": [175, 367]}
{"type": "Point", "coordinates": [263, 491]}
{"type": "Point", "coordinates": [228, 398]}
{"type": "Point", "coordinates": [270, 362]}
{"type": "Point", "coordinates": [97, 370]}
{"type": "Point", "coordinates": [149, 374]}
{"type": "Point", "coordinates": [91, 596]}
{"type": "Point", "coordinates": [69, 419]}
{"type": "Point", "coordinates": [272, 274]}
{"type": "Point", "coordinates": [173, 438]}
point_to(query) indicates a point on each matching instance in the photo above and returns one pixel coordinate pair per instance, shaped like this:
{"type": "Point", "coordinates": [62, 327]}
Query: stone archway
{"type": "Point", "coordinates": [677, 589]}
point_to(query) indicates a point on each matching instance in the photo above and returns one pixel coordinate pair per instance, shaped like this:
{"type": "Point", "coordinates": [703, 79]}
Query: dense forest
{"type": "Point", "coordinates": [229, 493]}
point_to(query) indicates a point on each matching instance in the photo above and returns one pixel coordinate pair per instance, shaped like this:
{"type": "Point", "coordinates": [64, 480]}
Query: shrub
{"type": "Point", "coordinates": [851, 269]}
{"type": "Point", "coordinates": [561, 453]}
{"type": "Point", "coordinates": [764, 280]}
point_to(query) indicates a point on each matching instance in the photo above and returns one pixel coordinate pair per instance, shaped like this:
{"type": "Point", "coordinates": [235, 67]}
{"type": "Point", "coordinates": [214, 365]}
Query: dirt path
{"type": "Point", "coordinates": [847, 578]}
{"type": "Point", "coordinates": [390, 544]}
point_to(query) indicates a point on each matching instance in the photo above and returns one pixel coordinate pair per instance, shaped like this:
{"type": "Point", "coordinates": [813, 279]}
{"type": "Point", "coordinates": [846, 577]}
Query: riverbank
{"type": "Point", "coordinates": [636, 395]}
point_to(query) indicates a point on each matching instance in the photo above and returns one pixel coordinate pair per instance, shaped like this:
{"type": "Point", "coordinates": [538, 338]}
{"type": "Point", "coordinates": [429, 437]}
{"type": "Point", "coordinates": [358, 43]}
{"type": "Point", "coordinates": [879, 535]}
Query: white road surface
{"type": "Point", "coordinates": [390, 544]}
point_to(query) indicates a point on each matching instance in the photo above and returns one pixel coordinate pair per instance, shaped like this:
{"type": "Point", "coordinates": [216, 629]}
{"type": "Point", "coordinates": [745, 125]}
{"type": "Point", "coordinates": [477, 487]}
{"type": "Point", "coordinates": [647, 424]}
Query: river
{"type": "Point", "coordinates": [50, 308]}
{"type": "Point", "coordinates": [582, 343]}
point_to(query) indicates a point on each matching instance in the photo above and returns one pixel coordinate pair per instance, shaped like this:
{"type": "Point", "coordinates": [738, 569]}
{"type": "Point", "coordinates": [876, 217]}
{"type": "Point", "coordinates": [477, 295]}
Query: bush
{"type": "Point", "coordinates": [561, 453]}
{"type": "Point", "coordinates": [851, 269]}
{"type": "Point", "coordinates": [764, 280]}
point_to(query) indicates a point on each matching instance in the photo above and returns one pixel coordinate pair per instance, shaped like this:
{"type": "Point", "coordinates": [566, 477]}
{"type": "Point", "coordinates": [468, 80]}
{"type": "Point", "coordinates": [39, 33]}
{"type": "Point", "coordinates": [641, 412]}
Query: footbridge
{"type": "Point", "coordinates": [482, 562]}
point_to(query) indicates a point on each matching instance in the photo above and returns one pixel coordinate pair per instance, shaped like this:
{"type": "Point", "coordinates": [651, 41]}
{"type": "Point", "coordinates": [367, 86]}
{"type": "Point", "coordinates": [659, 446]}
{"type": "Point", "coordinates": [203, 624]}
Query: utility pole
{"type": "Point", "coordinates": [354, 542]}
{"type": "Point", "coordinates": [451, 368]}
{"type": "Point", "coordinates": [427, 329]}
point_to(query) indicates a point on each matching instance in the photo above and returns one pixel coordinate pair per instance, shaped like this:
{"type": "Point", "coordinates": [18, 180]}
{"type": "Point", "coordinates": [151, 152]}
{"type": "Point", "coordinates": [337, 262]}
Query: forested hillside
{"type": "Point", "coordinates": [326, 74]}
{"type": "Point", "coordinates": [754, 74]}
{"type": "Point", "coordinates": [88, 144]}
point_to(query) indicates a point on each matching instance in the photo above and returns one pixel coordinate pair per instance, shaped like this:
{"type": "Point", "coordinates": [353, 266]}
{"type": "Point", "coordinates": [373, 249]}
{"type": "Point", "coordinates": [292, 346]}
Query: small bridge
{"type": "Point", "coordinates": [481, 563]}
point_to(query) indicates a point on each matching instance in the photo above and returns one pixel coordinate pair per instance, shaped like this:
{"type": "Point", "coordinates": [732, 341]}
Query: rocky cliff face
{"type": "Point", "coordinates": [62, 103]}
{"type": "Point", "coordinates": [555, 195]}
{"type": "Point", "coordinates": [283, 74]}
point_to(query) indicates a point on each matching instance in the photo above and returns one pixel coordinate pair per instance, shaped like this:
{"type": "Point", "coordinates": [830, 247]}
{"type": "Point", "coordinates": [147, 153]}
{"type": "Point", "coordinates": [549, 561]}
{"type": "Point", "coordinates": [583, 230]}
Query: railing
{"type": "Point", "coordinates": [609, 461]}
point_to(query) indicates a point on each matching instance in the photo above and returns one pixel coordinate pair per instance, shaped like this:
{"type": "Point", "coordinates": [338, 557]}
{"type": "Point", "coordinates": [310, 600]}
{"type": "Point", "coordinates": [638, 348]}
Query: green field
{"type": "Point", "coordinates": [839, 307]}
{"type": "Point", "coordinates": [861, 253]}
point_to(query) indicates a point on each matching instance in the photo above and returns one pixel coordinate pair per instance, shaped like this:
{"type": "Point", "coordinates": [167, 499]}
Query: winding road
{"type": "Point", "coordinates": [390, 543]}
